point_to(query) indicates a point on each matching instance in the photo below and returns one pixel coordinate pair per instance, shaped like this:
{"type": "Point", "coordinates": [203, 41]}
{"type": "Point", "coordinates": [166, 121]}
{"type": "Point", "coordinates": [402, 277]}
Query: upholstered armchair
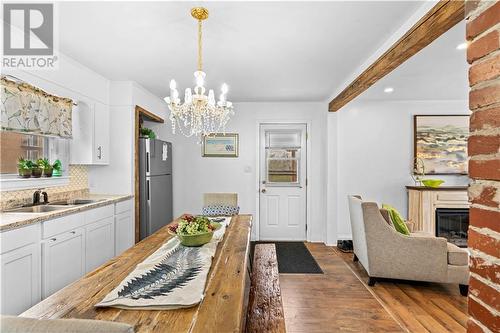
{"type": "Point", "coordinates": [385, 253]}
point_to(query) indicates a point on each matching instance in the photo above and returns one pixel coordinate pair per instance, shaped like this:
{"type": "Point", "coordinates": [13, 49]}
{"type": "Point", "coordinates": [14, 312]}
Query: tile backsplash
{"type": "Point", "coordinates": [78, 186]}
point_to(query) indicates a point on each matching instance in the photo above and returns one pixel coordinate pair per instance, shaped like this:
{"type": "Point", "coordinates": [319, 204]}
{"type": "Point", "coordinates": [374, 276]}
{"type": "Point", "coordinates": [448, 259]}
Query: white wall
{"type": "Point", "coordinates": [195, 175]}
{"type": "Point", "coordinates": [71, 79]}
{"type": "Point", "coordinates": [332, 178]}
{"type": "Point", "coordinates": [375, 152]}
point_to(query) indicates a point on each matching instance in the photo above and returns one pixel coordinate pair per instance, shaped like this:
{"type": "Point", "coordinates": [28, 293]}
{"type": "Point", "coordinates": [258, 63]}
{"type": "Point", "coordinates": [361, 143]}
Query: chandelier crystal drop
{"type": "Point", "coordinates": [199, 114]}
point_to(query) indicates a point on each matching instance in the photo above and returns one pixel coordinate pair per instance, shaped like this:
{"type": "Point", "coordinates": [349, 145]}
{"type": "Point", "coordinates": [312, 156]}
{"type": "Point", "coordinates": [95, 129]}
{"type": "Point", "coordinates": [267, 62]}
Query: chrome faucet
{"type": "Point", "coordinates": [36, 197]}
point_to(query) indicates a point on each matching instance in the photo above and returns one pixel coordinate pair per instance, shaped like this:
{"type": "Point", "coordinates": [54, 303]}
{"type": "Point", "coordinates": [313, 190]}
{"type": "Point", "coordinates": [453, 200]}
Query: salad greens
{"type": "Point", "coordinates": [192, 225]}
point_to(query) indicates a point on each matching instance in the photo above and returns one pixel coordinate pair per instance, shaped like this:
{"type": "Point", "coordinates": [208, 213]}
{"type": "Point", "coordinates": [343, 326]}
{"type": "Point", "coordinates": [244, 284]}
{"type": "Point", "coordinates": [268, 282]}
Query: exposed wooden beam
{"type": "Point", "coordinates": [145, 114]}
{"type": "Point", "coordinates": [443, 16]}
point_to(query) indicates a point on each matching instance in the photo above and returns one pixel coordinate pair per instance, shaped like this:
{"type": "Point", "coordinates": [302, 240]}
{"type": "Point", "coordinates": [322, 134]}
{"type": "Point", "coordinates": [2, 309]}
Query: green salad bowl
{"type": "Point", "coordinates": [197, 239]}
{"type": "Point", "coordinates": [432, 182]}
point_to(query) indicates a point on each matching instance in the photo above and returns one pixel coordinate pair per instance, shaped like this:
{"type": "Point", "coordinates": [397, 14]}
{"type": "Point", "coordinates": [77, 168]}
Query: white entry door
{"type": "Point", "coordinates": [282, 211]}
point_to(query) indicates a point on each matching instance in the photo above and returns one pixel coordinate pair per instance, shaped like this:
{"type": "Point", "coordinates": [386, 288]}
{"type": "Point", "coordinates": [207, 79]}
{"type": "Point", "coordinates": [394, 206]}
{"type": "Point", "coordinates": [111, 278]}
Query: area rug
{"type": "Point", "coordinates": [173, 277]}
{"type": "Point", "coordinates": [293, 258]}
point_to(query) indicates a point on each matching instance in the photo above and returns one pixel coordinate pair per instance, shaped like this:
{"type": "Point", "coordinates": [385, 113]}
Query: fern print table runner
{"type": "Point", "coordinates": [173, 277]}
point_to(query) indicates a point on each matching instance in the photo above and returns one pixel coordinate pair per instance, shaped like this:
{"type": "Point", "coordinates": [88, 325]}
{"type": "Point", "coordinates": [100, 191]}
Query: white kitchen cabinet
{"type": "Point", "coordinates": [100, 242]}
{"type": "Point", "coordinates": [40, 259]}
{"type": "Point", "coordinates": [90, 143]}
{"type": "Point", "coordinates": [101, 134]}
{"type": "Point", "coordinates": [20, 278]}
{"type": "Point", "coordinates": [63, 260]}
{"type": "Point", "coordinates": [124, 231]}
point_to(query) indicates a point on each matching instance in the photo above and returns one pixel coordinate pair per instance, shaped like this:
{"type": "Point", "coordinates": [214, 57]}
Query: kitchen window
{"type": "Point", "coordinates": [14, 145]}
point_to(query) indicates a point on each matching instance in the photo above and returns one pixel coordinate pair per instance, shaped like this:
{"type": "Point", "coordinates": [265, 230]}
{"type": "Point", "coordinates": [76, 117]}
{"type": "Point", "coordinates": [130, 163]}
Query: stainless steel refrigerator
{"type": "Point", "coordinates": [155, 181]}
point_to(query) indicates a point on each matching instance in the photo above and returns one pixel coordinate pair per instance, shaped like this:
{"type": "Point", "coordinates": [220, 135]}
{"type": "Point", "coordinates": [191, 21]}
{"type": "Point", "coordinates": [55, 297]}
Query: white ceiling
{"type": "Point", "coordinates": [265, 51]}
{"type": "Point", "coordinates": [438, 72]}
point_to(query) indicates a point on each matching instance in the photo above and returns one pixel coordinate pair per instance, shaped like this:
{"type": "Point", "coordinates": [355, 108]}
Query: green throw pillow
{"type": "Point", "coordinates": [397, 219]}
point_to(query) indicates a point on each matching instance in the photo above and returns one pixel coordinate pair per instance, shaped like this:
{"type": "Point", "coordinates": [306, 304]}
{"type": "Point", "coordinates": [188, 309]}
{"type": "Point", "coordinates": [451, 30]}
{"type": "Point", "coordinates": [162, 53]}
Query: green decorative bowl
{"type": "Point", "coordinates": [432, 182]}
{"type": "Point", "coordinates": [198, 239]}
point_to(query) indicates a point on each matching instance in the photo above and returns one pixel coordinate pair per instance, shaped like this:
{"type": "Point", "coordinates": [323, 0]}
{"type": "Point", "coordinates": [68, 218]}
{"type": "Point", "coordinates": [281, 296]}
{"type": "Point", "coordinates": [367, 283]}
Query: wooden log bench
{"type": "Point", "coordinates": [265, 308]}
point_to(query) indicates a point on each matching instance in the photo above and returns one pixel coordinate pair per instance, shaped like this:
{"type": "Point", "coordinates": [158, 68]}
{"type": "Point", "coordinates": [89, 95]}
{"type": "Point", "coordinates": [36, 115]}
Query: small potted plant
{"type": "Point", "coordinates": [57, 168]}
{"type": "Point", "coordinates": [46, 167]}
{"type": "Point", "coordinates": [36, 170]}
{"type": "Point", "coordinates": [148, 133]}
{"type": "Point", "coordinates": [24, 168]}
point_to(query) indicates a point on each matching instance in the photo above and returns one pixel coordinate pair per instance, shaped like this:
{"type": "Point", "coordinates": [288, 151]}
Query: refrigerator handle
{"type": "Point", "coordinates": [147, 162]}
{"type": "Point", "coordinates": [147, 189]}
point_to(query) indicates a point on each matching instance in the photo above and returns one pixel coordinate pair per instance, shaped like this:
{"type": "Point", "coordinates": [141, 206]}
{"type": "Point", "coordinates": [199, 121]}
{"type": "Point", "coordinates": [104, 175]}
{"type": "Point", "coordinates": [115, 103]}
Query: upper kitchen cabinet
{"type": "Point", "coordinates": [90, 144]}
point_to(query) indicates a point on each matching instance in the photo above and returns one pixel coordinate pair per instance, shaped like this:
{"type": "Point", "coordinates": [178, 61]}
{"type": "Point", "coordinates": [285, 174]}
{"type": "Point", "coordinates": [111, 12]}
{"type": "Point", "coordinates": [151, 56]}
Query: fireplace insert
{"type": "Point", "coordinates": [452, 224]}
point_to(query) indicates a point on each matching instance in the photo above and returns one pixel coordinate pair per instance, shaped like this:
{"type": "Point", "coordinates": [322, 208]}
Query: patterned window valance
{"type": "Point", "coordinates": [28, 109]}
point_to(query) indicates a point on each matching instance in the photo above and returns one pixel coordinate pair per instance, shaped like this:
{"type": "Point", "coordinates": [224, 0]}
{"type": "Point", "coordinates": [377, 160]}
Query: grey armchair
{"type": "Point", "coordinates": [385, 253]}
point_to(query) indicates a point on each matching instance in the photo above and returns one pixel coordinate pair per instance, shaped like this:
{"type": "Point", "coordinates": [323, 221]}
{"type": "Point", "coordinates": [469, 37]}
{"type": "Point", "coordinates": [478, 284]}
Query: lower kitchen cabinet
{"type": "Point", "coordinates": [40, 259]}
{"type": "Point", "coordinates": [20, 279]}
{"type": "Point", "coordinates": [124, 232]}
{"type": "Point", "coordinates": [63, 260]}
{"type": "Point", "coordinates": [100, 242]}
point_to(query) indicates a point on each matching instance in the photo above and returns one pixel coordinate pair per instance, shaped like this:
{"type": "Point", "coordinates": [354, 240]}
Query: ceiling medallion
{"type": "Point", "coordinates": [199, 114]}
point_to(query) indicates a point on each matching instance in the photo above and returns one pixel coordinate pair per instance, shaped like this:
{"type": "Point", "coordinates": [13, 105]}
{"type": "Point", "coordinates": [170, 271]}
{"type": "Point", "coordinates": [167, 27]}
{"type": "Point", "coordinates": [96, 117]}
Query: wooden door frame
{"type": "Point", "coordinates": [145, 114]}
{"type": "Point", "coordinates": [441, 18]}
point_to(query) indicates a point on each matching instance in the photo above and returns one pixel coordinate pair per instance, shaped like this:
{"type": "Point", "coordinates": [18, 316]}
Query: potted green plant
{"type": "Point", "coordinates": [57, 169]}
{"type": "Point", "coordinates": [46, 167]}
{"type": "Point", "coordinates": [24, 168]}
{"type": "Point", "coordinates": [36, 170]}
{"type": "Point", "coordinates": [148, 133]}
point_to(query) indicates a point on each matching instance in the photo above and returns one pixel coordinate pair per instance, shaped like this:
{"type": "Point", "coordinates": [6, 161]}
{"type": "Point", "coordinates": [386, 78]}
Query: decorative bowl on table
{"type": "Point", "coordinates": [432, 182]}
{"type": "Point", "coordinates": [193, 230]}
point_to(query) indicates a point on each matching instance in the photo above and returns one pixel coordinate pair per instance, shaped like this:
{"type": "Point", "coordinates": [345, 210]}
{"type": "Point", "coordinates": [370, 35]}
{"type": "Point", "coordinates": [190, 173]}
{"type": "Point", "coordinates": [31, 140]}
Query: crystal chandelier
{"type": "Point", "coordinates": [199, 114]}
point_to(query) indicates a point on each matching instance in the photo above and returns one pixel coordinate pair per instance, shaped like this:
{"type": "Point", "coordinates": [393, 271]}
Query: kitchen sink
{"type": "Point", "coordinates": [74, 202]}
{"type": "Point", "coordinates": [53, 206]}
{"type": "Point", "coordinates": [35, 209]}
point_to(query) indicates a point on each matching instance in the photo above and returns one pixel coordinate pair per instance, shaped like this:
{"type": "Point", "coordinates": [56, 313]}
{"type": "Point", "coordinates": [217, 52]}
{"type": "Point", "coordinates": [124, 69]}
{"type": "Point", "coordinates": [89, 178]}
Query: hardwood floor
{"type": "Point", "coordinates": [335, 301]}
{"type": "Point", "coordinates": [418, 306]}
{"type": "Point", "coordinates": [340, 301]}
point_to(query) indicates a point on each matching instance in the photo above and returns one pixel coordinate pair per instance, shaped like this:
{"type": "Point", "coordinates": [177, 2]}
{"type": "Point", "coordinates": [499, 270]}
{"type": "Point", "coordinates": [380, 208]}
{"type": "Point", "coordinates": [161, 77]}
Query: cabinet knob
{"type": "Point", "coordinates": [99, 152]}
{"type": "Point", "coordinates": [53, 239]}
{"type": "Point", "coordinates": [73, 232]}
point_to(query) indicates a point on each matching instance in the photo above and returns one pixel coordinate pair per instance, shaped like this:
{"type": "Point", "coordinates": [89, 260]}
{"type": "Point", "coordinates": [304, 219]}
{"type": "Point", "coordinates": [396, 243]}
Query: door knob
{"type": "Point", "coordinates": [263, 190]}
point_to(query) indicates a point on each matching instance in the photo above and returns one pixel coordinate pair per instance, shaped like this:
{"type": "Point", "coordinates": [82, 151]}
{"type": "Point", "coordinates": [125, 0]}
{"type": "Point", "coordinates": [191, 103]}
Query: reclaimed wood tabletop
{"type": "Point", "coordinates": [222, 309]}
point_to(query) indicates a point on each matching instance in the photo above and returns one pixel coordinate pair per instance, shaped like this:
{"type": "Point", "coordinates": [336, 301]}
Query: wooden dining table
{"type": "Point", "coordinates": [223, 308]}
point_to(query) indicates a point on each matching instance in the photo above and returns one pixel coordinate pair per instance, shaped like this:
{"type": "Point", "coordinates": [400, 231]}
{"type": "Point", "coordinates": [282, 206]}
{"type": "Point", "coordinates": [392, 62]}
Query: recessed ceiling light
{"type": "Point", "coordinates": [388, 90]}
{"type": "Point", "coordinates": [462, 46]}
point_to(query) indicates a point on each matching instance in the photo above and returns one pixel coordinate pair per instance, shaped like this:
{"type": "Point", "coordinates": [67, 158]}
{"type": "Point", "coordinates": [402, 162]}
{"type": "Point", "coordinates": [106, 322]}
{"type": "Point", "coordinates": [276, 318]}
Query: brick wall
{"type": "Point", "coordinates": [483, 54]}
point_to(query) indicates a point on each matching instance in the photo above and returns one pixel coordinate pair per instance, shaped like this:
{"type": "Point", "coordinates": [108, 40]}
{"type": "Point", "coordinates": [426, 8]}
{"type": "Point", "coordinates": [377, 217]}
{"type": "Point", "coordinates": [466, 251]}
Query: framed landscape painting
{"type": "Point", "coordinates": [440, 143]}
{"type": "Point", "coordinates": [220, 145]}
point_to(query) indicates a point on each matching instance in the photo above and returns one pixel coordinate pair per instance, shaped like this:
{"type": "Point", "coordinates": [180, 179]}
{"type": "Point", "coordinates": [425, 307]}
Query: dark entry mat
{"type": "Point", "coordinates": [293, 258]}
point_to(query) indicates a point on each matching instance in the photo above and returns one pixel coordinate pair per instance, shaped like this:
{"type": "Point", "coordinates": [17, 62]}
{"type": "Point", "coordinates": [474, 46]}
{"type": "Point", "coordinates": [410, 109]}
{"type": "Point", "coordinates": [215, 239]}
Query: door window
{"type": "Point", "coordinates": [283, 157]}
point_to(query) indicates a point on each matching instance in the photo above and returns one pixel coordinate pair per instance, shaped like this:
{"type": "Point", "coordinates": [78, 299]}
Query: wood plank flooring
{"type": "Point", "coordinates": [417, 306]}
{"type": "Point", "coordinates": [335, 301]}
{"type": "Point", "coordinates": [340, 301]}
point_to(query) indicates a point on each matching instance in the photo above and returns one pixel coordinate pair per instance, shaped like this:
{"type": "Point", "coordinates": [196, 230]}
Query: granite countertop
{"type": "Point", "coordinates": [9, 221]}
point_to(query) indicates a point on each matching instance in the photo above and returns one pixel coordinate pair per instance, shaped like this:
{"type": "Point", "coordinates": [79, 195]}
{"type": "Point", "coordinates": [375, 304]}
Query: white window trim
{"type": "Point", "coordinates": [11, 182]}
